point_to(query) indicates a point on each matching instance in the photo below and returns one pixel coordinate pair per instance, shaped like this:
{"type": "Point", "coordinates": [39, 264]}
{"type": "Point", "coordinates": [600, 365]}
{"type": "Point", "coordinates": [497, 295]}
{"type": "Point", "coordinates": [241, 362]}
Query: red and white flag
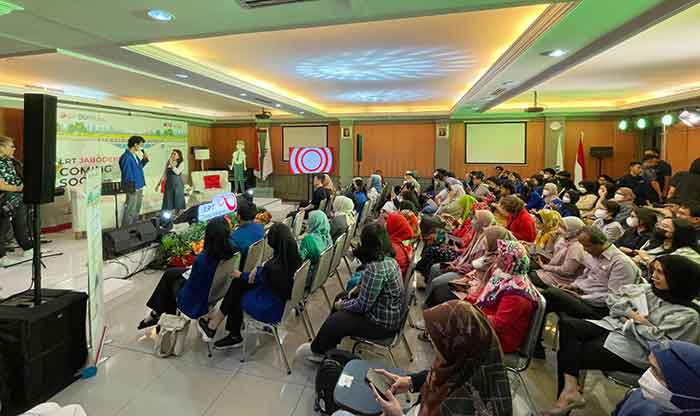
{"type": "Point", "coordinates": [580, 165]}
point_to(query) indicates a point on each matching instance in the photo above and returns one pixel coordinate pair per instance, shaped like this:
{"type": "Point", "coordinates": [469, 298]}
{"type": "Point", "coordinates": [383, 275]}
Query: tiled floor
{"type": "Point", "coordinates": [132, 381]}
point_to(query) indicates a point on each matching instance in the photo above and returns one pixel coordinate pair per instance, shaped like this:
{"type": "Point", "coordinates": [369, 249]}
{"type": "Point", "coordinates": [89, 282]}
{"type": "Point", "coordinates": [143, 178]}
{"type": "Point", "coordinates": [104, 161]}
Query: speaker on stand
{"type": "Point", "coordinates": [601, 153]}
{"type": "Point", "coordinates": [358, 152]}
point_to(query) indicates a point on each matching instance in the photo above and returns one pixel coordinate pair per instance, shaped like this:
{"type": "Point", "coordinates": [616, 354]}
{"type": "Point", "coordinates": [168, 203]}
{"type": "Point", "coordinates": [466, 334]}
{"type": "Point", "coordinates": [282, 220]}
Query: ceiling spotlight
{"type": "Point", "coordinates": [508, 83]}
{"type": "Point", "coordinates": [278, 105]}
{"type": "Point", "coordinates": [555, 53]}
{"type": "Point", "coordinates": [641, 123]}
{"type": "Point", "coordinates": [160, 15]}
{"type": "Point", "coordinates": [243, 94]}
{"type": "Point", "coordinates": [623, 125]}
{"type": "Point", "coordinates": [667, 120]}
{"type": "Point", "coordinates": [182, 76]}
{"type": "Point", "coordinates": [301, 112]}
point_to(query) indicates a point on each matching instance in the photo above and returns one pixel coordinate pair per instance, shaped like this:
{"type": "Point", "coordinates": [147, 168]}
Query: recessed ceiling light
{"type": "Point", "coordinates": [182, 76]}
{"type": "Point", "coordinates": [508, 82]}
{"type": "Point", "coordinates": [243, 94]}
{"type": "Point", "coordinates": [555, 53]}
{"type": "Point", "coordinates": [160, 15]}
{"type": "Point", "coordinates": [301, 112]}
{"type": "Point", "coordinates": [278, 105]}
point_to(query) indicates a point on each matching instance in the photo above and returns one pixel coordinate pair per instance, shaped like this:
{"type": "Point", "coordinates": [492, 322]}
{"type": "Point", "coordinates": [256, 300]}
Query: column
{"type": "Point", "coordinates": [346, 152]}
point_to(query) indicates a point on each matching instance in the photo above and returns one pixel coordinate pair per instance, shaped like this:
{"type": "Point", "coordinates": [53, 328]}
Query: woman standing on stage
{"type": "Point", "coordinates": [174, 190]}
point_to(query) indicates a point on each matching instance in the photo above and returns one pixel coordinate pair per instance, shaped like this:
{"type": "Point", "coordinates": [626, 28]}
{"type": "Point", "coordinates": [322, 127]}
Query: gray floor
{"type": "Point", "coordinates": [132, 381]}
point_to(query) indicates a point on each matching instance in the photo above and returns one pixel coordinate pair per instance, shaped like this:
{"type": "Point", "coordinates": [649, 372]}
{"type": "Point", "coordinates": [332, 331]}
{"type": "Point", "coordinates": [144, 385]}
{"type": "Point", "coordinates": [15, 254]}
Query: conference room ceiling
{"type": "Point", "coordinates": [336, 58]}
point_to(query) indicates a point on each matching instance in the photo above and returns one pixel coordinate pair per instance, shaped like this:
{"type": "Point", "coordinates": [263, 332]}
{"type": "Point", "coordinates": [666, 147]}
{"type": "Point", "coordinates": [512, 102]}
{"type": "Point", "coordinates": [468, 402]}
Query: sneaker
{"type": "Point", "coordinates": [228, 342]}
{"type": "Point", "coordinates": [304, 351]}
{"type": "Point", "coordinates": [207, 333]}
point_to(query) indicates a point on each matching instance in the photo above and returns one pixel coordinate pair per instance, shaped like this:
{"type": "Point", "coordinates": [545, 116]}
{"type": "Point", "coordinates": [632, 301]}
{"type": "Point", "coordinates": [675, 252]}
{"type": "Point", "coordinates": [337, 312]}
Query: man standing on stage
{"type": "Point", "coordinates": [133, 180]}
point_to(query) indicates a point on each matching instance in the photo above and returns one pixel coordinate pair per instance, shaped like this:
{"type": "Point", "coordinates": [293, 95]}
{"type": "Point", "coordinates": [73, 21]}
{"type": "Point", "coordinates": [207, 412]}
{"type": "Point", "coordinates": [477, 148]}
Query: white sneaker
{"type": "Point", "coordinates": [28, 254]}
{"type": "Point", "coordinates": [4, 262]}
{"type": "Point", "coordinates": [304, 351]}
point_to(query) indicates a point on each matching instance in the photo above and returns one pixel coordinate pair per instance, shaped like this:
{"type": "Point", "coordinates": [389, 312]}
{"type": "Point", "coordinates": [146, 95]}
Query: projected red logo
{"type": "Point", "coordinates": [308, 160]}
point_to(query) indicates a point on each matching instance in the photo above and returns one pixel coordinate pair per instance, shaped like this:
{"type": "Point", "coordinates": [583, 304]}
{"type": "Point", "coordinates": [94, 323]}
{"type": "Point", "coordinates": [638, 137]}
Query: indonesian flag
{"type": "Point", "coordinates": [265, 154]}
{"type": "Point", "coordinates": [580, 165]}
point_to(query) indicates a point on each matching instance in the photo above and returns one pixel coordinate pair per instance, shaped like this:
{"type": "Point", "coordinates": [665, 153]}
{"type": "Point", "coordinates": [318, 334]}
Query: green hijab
{"type": "Point", "coordinates": [319, 227]}
{"type": "Point", "coordinates": [466, 202]}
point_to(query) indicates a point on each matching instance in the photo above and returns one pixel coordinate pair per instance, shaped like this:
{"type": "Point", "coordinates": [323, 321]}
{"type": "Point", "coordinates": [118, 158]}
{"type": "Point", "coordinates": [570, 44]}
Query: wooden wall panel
{"type": "Point", "coordinates": [534, 158]}
{"type": "Point", "coordinates": [224, 144]}
{"type": "Point", "coordinates": [682, 146]}
{"type": "Point", "coordinates": [600, 133]}
{"type": "Point", "coordinates": [396, 148]}
{"type": "Point", "coordinates": [282, 168]}
{"type": "Point", "coordinates": [12, 125]}
{"type": "Point", "coordinates": [197, 136]}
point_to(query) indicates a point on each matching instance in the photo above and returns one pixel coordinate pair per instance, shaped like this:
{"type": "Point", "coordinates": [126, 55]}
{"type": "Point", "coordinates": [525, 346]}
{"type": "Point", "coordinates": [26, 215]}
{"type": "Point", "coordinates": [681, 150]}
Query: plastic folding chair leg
{"type": "Point", "coordinates": [308, 320]}
{"type": "Point", "coordinates": [275, 332]}
{"type": "Point", "coordinates": [328, 300]}
{"type": "Point", "coordinates": [408, 347]}
{"type": "Point", "coordinates": [393, 360]}
{"type": "Point", "coordinates": [300, 314]}
{"type": "Point", "coordinates": [528, 397]}
{"type": "Point", "coordinates": [340, 279]}
{"type": "Point", "coordinates": [246, 338]}
{"type": "Point", "coordinates": [209, 353]}
{"type": "Point", "coordinates": [347, 263]}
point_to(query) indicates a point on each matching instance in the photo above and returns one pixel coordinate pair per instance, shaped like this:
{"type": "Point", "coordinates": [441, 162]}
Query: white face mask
{"type": "Point", "coordinates": [546, 192]}
{"type": "Point", "coordinates": [480, 264]}
{"type": "Point", "coordinates": [652, 389]}
{"type": "Point", "coordinates": [566, 199]}
{"type": "Point", "coordinates": [619, 198]}
{"type": "Point", "coordinates": [632, 222]}
{"type": "Point", "coordinates": [601, 213]}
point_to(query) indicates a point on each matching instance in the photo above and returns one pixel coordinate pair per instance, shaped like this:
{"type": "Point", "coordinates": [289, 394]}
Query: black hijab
{"type": "Point", "coordinates": [279, 271]}
{"type": "Point", "coordinates": [683, 278]}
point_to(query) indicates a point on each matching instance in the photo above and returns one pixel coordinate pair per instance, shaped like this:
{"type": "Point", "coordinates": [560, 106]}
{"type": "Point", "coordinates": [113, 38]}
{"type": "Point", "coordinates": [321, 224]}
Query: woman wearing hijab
{"type": "Point", "coordinates": [640, 315]}
{"type": "Point", "coordinates": [343, 216]}
{"type": "Point", "coordinates": [262, 293]}
{"type": "Point", "coordinates": [670, 386]}
{"type": "Point", "coordinates": [625, 199]}
{"type": "Point", "coordinates": [549, 233]}
{"type": "Point", "coordinates": [451, 205]}
{"type": "Point", "coordinates": [375, 182]}
{"type": "Point", "coordinates": [399, 231]}
{"type": "Point", "coordinates": [567, 263]}
{"type": "Point", "coordinates": [463, 225]}
{"type": "Point", "coordinates": [315, 241]}
{"type": "Point", "coordinates": [467, 376]}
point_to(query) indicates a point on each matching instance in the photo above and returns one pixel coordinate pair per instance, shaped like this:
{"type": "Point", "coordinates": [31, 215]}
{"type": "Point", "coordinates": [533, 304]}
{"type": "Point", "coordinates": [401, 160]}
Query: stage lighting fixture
{"type": "Point", "coordinates": [641, 123]}
{"type": "Point", "coordinates": [556, 53]}
{"type": "Point", "coordinates": [623, 125]}
{"type": "Point", "coordinates": [690, 118]}
{"type": "Point", "coordinates": [667, 120]}
{"type": "Point", "coordinates": [160, 15]}
{"type": "Point", "coordinates": [165, 221]}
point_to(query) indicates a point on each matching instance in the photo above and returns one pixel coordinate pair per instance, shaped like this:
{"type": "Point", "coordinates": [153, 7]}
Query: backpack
{"type": "Point", "coordinates": [171, 337]}
{"type": "Point", "coordinates": [327, 376]}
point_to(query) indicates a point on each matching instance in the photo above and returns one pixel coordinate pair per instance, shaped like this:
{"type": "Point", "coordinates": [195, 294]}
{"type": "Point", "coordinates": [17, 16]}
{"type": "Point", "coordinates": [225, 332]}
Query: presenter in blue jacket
{"type": "Point", "coordinates": [133, 180]}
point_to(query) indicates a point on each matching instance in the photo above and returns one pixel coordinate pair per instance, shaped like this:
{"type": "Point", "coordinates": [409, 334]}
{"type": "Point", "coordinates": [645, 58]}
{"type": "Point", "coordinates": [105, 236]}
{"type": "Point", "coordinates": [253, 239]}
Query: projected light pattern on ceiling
{"type": "Point", "coordinates": [386, 64]}
{"type": "Point", "coordinates": [384, 96]}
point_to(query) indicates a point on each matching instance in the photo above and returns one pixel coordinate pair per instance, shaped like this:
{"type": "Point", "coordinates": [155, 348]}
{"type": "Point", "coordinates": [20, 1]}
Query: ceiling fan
{"type": "Point", "coordinates": [534, 108]}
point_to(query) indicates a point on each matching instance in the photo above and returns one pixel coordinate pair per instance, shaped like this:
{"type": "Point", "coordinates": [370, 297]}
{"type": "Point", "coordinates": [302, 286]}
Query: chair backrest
{"type": "Point", "coordinates": [418, 252]}
{"type": "Point", "coordinates": [288, 221]}
{"type": "Point", "coordinates": [329, 206]}
{"type": "Point", "coordinates": [298, 223]}
{"type": "Point", "coordinates": [338, 253]}
{"type": "Point", "coordinates": [527, 349]}
{"type": "Point", "coordinates": [364, 214]}
{"type": "Point", "coordinates": [299, 283]}
{"type": "Point", "coordinates": [322, 205]}
{"type": "Point", "coordinates": [254, 257]}
{"type": "Point", "coordinates": [322, 268]}
{"type": "Point", "coordinates": [222, 278]}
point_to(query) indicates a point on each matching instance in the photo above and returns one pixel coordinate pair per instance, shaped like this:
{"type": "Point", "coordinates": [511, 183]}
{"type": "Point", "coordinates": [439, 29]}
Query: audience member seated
{"type": "Point", "coordinates": [408, 193]}
{"type": "Point", "coordinates": [672, 236]}
{"type": "Point", "coordinates": [567, 263]}
{"type": "Point", "coordinates": [549, 232]}
{"type": "Point", "coordinates": [641, 224]}
{"type": "Point", "coordinates": [375, 187]}
{"type": "Point", "coordinates": [320, 193]}
{"type": "Point", "coordinates": [374, 309]}
{"type": "Point", "coordinates": [467, 376]}
{"type": "Point", "coordinates": [520, 222]}
{"type": "Point", "coordinates": [411, 177]}
{"type": "Point", "coordinates": [532, 193]}
{"type": "Point", "coordinates": [605, 220]}
{"type": "Point", "coordinates": [343, 216]}
{"type": "Point", "coordinates": [315, 241]}
{"type": "Point", "coordinates": [568, 207]}
{"type": "Point", "coordinates": [550, 195]}
{"type": "Point", "coordinates": [359, 194]}
{"type": "Point", "coordinates": [451, 206]}
{"type": "Point", "coordinates": [188, 289]}
{"type": "Point", "coordinates": [248, 231]}
{"type": "Point", "coordinates": [399, 232]}
{"type": "Point", "coordinates": [436, 250]}
{"type": "Point", "coordinates": [685, 186]}
{"type": "Point", "coordinates": [479, 189]}
{"type": "Point", "coordinates": [690, 211]}
{"type": "Point", "coordinates": [588, 192]}
{"type": "Point", "coordinates": [644, 193]}
{"type": "Point", "coordinates": [262, 293]}
{"type": "Point", "coordinates": [640, 314]}
{"type": "Point", "coordinates": [625, 199]}
{"type": "Point", "coordinates": [463, 224]}
{"type": "Point", "coordinates": [564, 182]}
{"type": "Point", "coordinates": [504, 294]}
{"type": "Point", "coordinates": [606, 191]}
{"type": "Point", "coordinates": [671, 384]}
{"type": "Point", "coordinates": [412, 220]}
{"type": "Point", "coordinates": [392, 202]}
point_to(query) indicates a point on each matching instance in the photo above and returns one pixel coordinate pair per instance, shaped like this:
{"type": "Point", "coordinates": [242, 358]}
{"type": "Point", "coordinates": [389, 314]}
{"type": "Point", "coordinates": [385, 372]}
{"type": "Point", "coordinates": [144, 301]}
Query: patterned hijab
{"type": "Point", "coordinates": [466, 202]}
{"type": "Point", "coordinates": [550, 226]}
{"type": "Point", "coordinates": [319, 227]}
{"type": "Point", "coordinates": [375, 181]}
{"type": "Point", "coordinates": [509, 276]}
{"type": "Point", "coordinates": [342, 205]}
{"type": "Point", "coordinates": [467, 377]}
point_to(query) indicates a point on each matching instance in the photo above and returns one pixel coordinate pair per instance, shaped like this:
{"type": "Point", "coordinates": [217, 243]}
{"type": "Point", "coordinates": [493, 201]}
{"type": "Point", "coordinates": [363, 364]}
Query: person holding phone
{"type": "Point", "coordinates": [131, 164]}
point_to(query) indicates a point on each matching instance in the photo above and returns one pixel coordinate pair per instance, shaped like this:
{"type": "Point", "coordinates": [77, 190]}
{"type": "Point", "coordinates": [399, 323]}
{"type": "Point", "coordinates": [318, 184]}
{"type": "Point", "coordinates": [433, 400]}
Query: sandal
{"type": "Point", "coordinates": [149, 322]}
{"type": "Point", "coordinates": [565, 410]}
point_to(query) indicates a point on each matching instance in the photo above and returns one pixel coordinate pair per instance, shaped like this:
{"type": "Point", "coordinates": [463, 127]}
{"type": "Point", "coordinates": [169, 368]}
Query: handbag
{"type": "Point", "coordinates": [171, 337]}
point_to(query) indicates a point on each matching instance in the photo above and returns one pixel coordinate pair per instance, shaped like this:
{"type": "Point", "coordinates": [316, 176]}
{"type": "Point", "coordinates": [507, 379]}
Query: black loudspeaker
{"type": "Point", "coordinates": [601, 152]}
{"type": "Point", "coordinates": [44, 346]}
{"type": "Point", "coordinates": [127, 239]}
{"type": "Point", "coordinates": [358, 154]}
{"type": "Point", "coordinates": [39, 148]}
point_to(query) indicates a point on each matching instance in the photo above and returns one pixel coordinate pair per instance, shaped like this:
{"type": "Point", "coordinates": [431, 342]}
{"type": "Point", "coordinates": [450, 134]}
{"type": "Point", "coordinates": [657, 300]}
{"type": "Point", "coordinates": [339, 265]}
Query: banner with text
{"type": "Point", "coordinates": [92, 139]}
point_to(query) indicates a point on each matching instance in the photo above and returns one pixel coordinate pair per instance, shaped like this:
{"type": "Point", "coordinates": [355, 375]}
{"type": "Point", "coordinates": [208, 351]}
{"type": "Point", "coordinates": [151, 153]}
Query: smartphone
{"type": "Point", "coordinates": [379, 381]}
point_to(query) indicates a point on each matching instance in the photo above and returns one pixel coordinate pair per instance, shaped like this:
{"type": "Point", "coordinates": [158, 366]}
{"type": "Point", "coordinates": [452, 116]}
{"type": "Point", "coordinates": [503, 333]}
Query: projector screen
{"type": "Point", "coordinates": [501, 143]}
{"type": "Point", "coordinates": [303, 136]}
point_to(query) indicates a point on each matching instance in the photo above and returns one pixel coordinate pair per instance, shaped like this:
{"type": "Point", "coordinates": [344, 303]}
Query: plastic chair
{"type": "Point", "coordinates": [252, 325]}
{"type": "Point", "coordinates": [322, 273]}
{"type": "Point", "coordinates": [298, 223]}
{"type": "Point", "coordinates": [288, 221]}
{"type": "Point", "coordinates": [388, 344]}
{"type": "Point", "coordinates": [519, 361]}
{"type": "Point", "coordinates": [348, 241]}
{"type": "Point", "coordinates": [254, 256]}
{"type": "Point", "coordinates": [337, 254]}
{"type": "Point", "coordinates": [322, 205]}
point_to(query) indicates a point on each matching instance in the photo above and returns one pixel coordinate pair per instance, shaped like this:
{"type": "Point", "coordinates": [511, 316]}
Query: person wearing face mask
{"type": "Point", "coordinates": [640, 315]}
{"type": "Point", "coordinates": [503, 293]}
{"type": "Point", "coordinates": [588, 192]}
{"type": "Point", "coordinates": [550, 195]}
{"type": "Point", "coordinates": [606, 191]}
{"type": "Point", "coordinates": [671, 385]}
{"type": "Point", "coordinates": [568, 207]}
{"type": "Point", "coordinates": [671, 236]}
{"type": "Point", "coordinates": [131, 165]}
{"type": "Point", "coordinates": [605, 220]}
{"type": "Point", "coordinates": [625, 199]}
{"type": "Point", "coordinates": [640, 227]}
{"type": "Point", "coordinates": [567, 263]}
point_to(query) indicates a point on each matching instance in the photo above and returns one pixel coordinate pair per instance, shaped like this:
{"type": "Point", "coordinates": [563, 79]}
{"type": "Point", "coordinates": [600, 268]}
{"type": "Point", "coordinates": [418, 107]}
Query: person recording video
{"type": "Point", "coordinates": [133, 180]}
{"type": "Point", "coordinates": [13, 212]}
